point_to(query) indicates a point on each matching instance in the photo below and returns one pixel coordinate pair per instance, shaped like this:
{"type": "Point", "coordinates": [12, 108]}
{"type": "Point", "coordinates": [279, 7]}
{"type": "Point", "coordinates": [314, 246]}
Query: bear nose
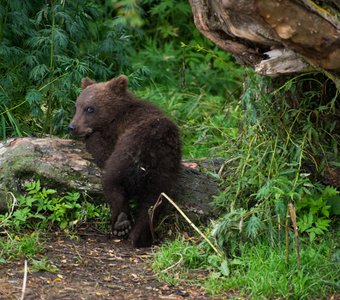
{"type": "Point", "coordinates": [72, 128]}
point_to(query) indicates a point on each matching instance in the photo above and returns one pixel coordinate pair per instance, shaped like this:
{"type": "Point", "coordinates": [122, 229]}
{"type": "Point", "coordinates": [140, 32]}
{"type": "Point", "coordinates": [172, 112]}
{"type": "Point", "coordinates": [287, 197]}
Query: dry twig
{"type": "Point", "coordinates": [292, 214]}
{"type": "Point", "coordinates": [159, 201]}
{"type": "Point", "coordinates": [24, 282]}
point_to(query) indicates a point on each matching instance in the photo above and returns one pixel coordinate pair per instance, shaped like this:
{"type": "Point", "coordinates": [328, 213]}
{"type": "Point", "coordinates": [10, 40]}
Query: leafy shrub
{"type": "Point", "coordinates": [45, 49]}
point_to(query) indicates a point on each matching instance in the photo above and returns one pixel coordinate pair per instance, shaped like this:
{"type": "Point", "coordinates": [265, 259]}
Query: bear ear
{"type": "Point", "coordinates": [119, 83]}
{"type": "Point", "coordinates": [85, 82]}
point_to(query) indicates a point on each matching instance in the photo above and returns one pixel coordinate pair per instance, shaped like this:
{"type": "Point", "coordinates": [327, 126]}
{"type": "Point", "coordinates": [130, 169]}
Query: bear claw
{"type": "Point", "coordinates": [122, 226]}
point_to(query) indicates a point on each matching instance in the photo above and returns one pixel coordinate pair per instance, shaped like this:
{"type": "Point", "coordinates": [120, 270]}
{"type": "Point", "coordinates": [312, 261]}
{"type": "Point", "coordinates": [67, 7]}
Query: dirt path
{"type": "Point", "coordinates": [92, 267]}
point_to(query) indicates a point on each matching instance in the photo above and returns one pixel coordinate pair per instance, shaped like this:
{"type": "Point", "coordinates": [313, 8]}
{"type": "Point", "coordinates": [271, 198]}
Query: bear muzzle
{"type": "Point", "coordinates": [72, 128]}
{"type": "Point", "coordinates": [77, 131]}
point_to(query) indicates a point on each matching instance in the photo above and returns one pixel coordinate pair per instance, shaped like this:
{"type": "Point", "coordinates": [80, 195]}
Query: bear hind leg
{"type": "Point", "coordinates": [140, 235]}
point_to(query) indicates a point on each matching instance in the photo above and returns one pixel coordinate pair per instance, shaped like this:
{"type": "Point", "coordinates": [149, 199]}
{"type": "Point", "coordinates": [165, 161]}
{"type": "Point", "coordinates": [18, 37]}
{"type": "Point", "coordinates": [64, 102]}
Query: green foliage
{"type": "Point", "coordinates": [272, 146]}
{"type": "Point", "coordinates": [42, 208]}
{"type": "Point", "coordinates": [46, 48]}
{"type": "Point", "coordinates": [314, 213]}
{"type": "Point", "coordinates": [261, 272]}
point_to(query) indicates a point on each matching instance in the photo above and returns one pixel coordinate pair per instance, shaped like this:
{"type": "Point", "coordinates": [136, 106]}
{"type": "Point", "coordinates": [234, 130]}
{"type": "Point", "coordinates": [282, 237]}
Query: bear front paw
{"type": "Point", "coordinates": [122, 226]}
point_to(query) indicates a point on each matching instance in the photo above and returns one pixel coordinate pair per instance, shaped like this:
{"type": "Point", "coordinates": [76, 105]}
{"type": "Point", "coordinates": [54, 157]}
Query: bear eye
{"type": "Point", "coordinates": [89, 109]}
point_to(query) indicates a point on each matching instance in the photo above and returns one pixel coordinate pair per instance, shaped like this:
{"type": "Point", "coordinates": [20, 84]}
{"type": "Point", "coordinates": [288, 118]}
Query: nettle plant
{"type": "Point", "coordinates": [46, 47]}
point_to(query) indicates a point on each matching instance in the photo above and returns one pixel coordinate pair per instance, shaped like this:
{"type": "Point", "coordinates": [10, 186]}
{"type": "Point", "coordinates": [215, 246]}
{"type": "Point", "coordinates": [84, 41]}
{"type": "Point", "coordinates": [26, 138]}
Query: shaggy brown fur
{"type": "Point", "coordinates": [137, 147]}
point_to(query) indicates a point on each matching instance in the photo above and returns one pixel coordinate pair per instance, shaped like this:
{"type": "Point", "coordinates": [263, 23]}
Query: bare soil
{"type": "Point", "coordinates": [92, 267]}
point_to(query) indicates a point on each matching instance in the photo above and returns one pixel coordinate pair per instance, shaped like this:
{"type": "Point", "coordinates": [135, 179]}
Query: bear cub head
{"type": "Point", "coordinates": [98, 105]}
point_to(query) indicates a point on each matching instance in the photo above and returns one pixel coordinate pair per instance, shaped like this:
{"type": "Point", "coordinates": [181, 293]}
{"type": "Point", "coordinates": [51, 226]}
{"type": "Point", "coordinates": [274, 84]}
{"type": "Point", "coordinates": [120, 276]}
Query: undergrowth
{"type": "Point", "coordinates": [41, 210]}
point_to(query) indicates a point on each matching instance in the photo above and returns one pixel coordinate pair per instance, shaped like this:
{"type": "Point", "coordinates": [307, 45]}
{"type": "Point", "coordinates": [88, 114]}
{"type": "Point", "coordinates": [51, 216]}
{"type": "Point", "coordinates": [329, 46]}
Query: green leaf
{"type": "Point", "coordinates": [325, 210]}
{"type": "Point", "coordinates": [310, 219]}
{"type": "Point", "coordinates": [33, 97]}
{"type": "Point", "coordinates": [312, 236]}
{"type": "Point", "coordinates": [21, 214]}
{"type": "Point", "coordinates": [39, 216]}
{"type": "Point", "coordinates": [322, 223]}
{"type": "Point", "coordinates": [328, 192]}
{"type": "Point", "coordinates": [334, 203]}
{"type": "Point", "coordinates": [253, 226]}
{"type": "Point", "coordinates": [29, 200]}
{"type": "Point", "coordinates": [224, 268]}
{"type": "Point", "coordinates": [50, 191]}
{"type": "Point", "coordinates": [39, 72]}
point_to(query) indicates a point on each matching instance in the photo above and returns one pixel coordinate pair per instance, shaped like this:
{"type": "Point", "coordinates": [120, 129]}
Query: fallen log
{"type": "Point", "coordinates": [65, 165]}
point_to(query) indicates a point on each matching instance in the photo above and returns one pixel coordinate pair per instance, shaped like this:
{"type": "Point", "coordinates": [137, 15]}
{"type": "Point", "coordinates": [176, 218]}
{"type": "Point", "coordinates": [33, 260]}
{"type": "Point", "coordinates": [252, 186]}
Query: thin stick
{"type": "Point", "coordinates": [287, 237]}
{"type": "Point", "coordinates": [24, 282]}
{"type": "Point", "coordinates": [189, 221]}
{"type": "Point", "coordinates": [293, 217]}
{"type": "Point", "coordinates": [292, 214]}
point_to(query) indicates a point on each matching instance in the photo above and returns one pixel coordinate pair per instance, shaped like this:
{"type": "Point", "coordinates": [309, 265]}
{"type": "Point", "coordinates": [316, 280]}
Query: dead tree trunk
{"type": "Point", "coordinates": [274, 36]}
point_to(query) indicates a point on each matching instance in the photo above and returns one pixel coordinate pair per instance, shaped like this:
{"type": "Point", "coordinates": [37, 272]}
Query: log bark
{"type": "Point", "coordinates": [301, 33]}
{"type": "Point", "coordinates": [65, 165]}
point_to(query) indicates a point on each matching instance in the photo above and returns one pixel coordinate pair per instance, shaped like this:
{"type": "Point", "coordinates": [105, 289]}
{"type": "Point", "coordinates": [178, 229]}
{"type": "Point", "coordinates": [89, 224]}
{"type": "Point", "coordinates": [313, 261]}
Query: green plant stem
{"type": "Point", "coordinates": [272, 157]}
{"type": "Point", "coordinates": [52, 37]}
{"type": "Point", "coordinates": [48, 119]}
{"type": "Point", "coordinates": [297, 174]}
{"type": "Point", "coordinates": [244, 168]}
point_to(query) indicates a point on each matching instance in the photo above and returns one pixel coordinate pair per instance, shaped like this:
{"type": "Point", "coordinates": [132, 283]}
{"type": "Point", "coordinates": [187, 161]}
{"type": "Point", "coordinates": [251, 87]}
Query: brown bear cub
{"type": "Point", "coordinates": [135, 144]}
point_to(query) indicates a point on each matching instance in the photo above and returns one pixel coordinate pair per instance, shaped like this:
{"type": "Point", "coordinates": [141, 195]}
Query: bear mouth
{"type": "Point", "coordinates": [82, 134]}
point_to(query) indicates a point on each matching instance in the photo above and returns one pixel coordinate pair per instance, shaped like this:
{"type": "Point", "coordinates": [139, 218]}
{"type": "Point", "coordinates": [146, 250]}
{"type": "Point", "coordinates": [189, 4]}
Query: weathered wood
{"type": "Point", "coordinates": [251, 29]}
{"type": "Point", "coordinates": [65, 165]}
{"type": "Point", "coordinates": [280, 62]}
